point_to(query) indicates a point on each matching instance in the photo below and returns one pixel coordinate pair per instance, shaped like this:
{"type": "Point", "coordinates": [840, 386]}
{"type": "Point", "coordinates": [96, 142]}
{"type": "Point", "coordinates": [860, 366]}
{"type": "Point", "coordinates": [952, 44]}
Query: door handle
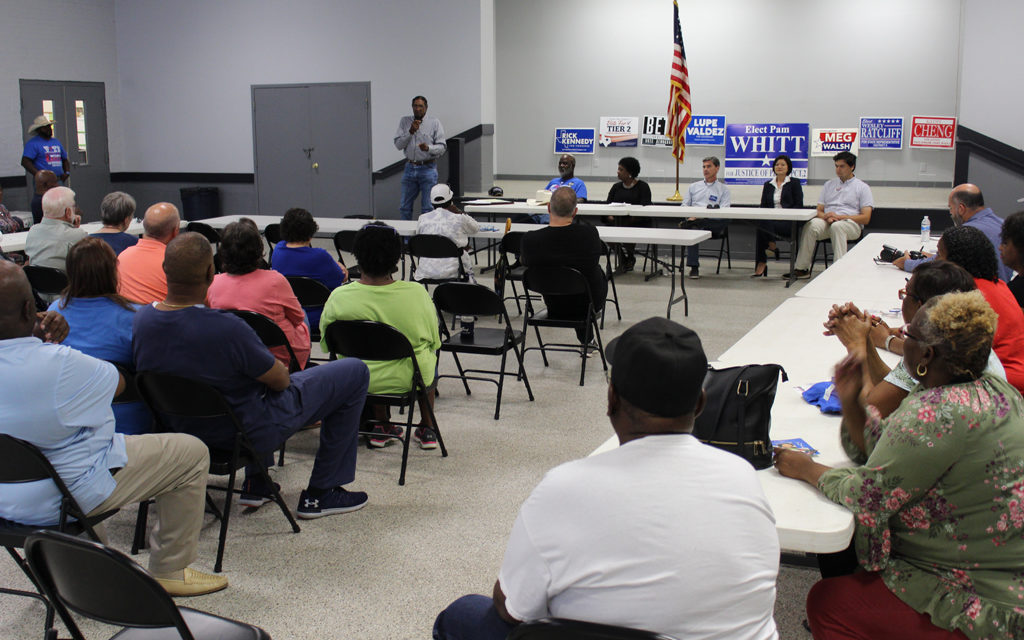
{"type": "Point", "coordinates": [316, 166]}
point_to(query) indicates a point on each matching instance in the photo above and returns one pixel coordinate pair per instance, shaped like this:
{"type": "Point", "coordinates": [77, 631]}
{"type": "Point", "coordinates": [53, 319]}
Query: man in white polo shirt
{"type": "Point", "coordinates": [661, 533]}
{"type": "Point", "coordinates": [843, 209]}
{"type": "Point", "coordinates": [713, 194]}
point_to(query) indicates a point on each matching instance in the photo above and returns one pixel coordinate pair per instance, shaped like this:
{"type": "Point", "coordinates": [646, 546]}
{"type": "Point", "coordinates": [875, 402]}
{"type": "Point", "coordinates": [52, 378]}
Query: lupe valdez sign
{"type": "Point", "coordinates": [568, 140]}
{"type": "Point", "coordinates": [706, 130]}
{"type": "Point", "coordinates": [932, 132]}
{"type": "Point", "coordinates": [881, 133]}
{"type": "Point", "coordinates": [750, 150]}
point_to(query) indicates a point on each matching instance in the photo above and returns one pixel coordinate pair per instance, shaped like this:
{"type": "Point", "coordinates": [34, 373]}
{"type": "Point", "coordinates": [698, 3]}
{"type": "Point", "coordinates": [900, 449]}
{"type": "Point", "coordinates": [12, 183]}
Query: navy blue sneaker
{"type": "Point", "coordinates": [337, 500]}
{"type": "Point", "coordinates": [256, 493]}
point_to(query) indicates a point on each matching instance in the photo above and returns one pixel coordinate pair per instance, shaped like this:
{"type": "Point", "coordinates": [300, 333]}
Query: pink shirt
{"type": "Point", "coordinates": [266, 292]}
{"type": "Point", "coordinates": [140, 272]}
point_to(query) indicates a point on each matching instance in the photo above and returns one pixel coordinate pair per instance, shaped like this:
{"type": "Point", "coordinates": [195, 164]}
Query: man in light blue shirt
{"type": "Point", "coordinates": [566, 178]}
{"type": "Point", "coordinates": [63, 407]}
{"type": "Point", "coordinates": [422, 140]}
{"type": "Point", "coordinates": [713, 194]}
{"type": "Point", "coordinates": [967, 208]}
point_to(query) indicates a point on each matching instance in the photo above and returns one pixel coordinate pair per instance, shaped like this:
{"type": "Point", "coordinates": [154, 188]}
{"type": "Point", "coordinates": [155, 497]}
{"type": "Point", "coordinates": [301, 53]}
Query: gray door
{"type": "Point", "coordinates": [312, 148]}
{"type": "Point", "coordinates": [80, 111]}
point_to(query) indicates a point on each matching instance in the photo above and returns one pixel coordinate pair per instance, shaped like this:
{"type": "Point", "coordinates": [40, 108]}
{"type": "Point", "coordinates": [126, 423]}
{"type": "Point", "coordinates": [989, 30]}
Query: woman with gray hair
{"type": "Point", "coordinates": [938, 500]}
{"type": "Point", "coordinates": [117, 210]}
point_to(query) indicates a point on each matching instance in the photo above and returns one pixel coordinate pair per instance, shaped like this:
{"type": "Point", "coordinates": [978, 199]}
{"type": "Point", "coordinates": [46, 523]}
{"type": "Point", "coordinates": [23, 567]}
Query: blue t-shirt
{"type": "Point", "coordinates": [576, 184]}
{"type": "Point", "coordinates": [46, 154]}
{"type": "Point", "coordinates": [101, 328]}
{"type": "Point", "coordinates": [219, 349]}
{"type": "Point", "coordinates": [118, 241]}
{"type": "Point", "coordinates": [308, 262]}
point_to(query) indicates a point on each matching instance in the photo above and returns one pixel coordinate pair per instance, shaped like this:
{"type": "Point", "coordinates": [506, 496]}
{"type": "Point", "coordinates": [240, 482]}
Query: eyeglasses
{"type": "Point", "coordinates": [905, 330]}
{"type": "Point", "coordinates": [903, 293]}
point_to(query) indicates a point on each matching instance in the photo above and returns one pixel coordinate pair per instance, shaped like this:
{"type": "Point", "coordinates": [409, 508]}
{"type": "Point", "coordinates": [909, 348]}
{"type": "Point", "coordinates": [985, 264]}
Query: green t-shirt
{"type": "Point", "coordinates": [405, 306]}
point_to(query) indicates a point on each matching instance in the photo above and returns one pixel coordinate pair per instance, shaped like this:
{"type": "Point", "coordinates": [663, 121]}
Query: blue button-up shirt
{"type": "Point", "coordinates": [991, 225]}
{"type": "Point", "coordinates": [703, 193]}
{"type": "Point", "coordinates": [59, 400]}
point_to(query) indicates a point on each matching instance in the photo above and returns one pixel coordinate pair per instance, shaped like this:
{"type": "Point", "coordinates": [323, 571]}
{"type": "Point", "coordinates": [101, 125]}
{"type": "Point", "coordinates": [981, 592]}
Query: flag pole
{"type": "Point", "coordinates": [676, 197]}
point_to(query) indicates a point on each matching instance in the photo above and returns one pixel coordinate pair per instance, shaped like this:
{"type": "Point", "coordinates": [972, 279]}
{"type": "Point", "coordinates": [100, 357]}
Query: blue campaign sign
{"type": "Point", "coordinates": [574, 140]}
{"type": "Point", "coordinates": [881, 133]}
{"type": "Point", "coordinates": [750, 150]}
{"type": "Point", "coordinates": [707, 130]}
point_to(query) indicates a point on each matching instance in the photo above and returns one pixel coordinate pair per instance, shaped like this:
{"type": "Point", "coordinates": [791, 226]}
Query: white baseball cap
{"type": "Point", "coordinates": [441, 193]}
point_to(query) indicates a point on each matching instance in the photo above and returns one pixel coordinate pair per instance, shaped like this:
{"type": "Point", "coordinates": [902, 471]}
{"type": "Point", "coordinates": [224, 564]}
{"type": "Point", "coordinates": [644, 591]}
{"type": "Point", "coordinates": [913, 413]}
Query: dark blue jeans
{"type": "Point", "coordinates": [471, 618]}
{"type": "Point", "coordinates": [716, 226]}
{"type": "Point", "coordinates": [417, 180]}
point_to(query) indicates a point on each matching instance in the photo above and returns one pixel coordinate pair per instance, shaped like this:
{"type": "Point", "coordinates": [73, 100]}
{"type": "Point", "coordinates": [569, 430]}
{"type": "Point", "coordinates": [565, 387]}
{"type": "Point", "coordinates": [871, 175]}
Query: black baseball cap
{"type": "Point", "coordinates": [659, 367]}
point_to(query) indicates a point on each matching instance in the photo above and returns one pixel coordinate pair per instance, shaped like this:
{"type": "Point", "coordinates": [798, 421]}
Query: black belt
{"type": "Point", "coordinates": [421, 164]}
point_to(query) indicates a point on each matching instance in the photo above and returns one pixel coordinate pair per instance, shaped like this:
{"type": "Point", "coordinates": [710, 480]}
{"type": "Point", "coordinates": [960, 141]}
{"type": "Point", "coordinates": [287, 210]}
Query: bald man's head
{"type": "Point", "coordinates": [188, 262]}
{"type": "Point", "coordinates": [563, 202]}
{"type": "Point", "coordinates": [45, 180]}
{"type": "Point", "coordinates": [965, 200]}
{"type": "Point", "coordinates": [161, 222]}
{"type": "Point", "coordinates": [17, 308]}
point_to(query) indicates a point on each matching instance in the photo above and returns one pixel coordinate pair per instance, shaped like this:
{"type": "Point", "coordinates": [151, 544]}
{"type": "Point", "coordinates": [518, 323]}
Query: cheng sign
{"type": "Point", "coordinates": [932, 132]}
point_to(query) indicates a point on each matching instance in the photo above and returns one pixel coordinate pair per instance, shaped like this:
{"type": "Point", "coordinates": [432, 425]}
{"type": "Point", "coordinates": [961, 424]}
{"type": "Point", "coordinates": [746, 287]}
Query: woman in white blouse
{"type": "Point", "coordinates": [781, 192]}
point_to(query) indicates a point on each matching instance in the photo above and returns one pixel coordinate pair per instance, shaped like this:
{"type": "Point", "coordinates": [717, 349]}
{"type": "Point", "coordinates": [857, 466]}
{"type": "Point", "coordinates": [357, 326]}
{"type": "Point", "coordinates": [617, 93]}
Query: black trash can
{"type": "Point", "coordinates": [199, 203]}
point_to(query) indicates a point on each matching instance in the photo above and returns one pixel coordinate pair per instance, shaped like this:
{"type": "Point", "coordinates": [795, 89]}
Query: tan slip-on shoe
{"type": "Point", "coordinates": [195, 583]}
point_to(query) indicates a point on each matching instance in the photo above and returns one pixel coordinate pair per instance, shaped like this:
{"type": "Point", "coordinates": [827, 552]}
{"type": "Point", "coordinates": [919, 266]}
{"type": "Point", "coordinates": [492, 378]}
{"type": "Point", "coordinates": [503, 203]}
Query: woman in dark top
{"type": "Point", "coordinates": [1011, 250]}
{"type": "Point", "coordinates": [116, 211]}
{"type": "Point", "coordinates": [781, 192]}
{"type": "Point", "coordinates": [630, 190]}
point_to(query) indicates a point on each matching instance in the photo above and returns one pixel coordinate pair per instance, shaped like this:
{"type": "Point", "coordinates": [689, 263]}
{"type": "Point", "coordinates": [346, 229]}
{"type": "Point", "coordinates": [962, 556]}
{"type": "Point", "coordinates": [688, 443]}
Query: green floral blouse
{"type": "Point", "coordinates": [939, 504]}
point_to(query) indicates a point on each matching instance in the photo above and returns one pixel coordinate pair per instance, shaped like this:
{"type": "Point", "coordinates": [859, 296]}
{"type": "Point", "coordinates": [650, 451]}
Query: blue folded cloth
{"type": "Point", "coordinates": [823, 394]}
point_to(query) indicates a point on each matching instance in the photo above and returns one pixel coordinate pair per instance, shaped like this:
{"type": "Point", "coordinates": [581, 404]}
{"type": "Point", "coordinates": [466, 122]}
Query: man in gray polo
{"type": "Point", "coordinates": [843, 209]}
{"type": "Point", "coordinates": [421, 138]}
{"type": "Point", "coordinates": [48, 242]}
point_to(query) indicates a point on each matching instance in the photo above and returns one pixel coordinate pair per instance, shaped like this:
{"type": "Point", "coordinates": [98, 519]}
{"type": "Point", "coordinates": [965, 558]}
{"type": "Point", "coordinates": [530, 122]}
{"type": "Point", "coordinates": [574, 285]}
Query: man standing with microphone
{"type": "Point", "coordinates": [422, 140]}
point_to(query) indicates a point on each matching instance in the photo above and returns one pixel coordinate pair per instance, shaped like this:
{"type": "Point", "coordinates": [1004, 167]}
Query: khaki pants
{"type": "Point", "coordinates": [171, 468]}
{"type": "Point", "coordinates": [817, 229]}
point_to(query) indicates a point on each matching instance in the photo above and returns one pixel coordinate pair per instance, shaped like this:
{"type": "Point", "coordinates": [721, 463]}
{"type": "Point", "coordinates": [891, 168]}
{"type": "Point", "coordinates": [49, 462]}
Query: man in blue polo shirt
{"type": "Point", "coordinates": [44, 152]}
{"type": "Point", "coordinates": [566, 178]}
{"type": "Point", "coordinates": [713, 194]}
{"type": "Point", "coordinates": [967, 208]}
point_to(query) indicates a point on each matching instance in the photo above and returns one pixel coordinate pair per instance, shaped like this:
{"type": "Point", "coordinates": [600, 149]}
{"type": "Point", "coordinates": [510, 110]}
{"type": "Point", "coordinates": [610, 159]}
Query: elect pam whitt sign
{"type": "Point", "coordinates": [750, 150]}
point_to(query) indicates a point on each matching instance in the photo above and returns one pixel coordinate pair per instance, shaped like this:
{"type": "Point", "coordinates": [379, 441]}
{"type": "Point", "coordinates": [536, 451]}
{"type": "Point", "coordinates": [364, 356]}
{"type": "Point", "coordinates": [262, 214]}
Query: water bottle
{"type": "Point", "coordinates": [926, 229]}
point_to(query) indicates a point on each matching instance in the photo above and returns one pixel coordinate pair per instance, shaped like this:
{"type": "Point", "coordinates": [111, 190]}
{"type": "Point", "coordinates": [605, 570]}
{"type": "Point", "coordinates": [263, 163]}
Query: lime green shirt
{"type": "Point", "coordinates": [405, 306]}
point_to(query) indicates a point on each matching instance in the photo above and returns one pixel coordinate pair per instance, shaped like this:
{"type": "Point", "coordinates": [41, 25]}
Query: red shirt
{"type": "Point", "coordinates": [140, 272]}
{"type": "Point", "coordinates": [1008, 343]}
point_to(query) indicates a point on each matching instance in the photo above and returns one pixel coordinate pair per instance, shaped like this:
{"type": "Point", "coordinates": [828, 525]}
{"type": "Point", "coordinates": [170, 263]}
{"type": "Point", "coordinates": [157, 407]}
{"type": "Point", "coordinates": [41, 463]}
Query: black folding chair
{"type": "Point", "coordinates": [369, 340]}
{"type": "Point", "coordinates": [609, 275]}
{"type": "Point", "coordinates": [434, 246]}
{"type": "Point", "coordinates": [558, 285]}
{"type": "Point", "coordinates": [312, 294]}
{"type": "Point", "coordinates": [47, 281]}
{"type": "Point", "coordinates": [272, 233]}
{"type": "Point", "coordinates": [169, 395]}
{"type": "Point", "coordinates": [205, 230]}
{"type": "Point", "coordinates": [22, 462]}
{"type": "Point", "coordinates": [564, 629]}
{"type": "Point", "coordinates": [100, 583]}
{"type": "Point", "coordinates": [509, 268]}
{"type": "Point", "coordinates": [467, 299]}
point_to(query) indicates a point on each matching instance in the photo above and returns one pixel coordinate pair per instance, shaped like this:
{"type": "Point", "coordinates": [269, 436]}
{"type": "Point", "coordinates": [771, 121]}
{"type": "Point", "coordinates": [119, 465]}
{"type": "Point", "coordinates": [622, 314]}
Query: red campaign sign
{"type": "Point", "coordinates": [932, 132]}
{"type": "Point", "coordinates": [845, 137]}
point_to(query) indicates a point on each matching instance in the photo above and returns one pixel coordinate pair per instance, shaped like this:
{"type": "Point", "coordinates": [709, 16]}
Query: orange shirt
{"type": "Point", "coordinates": [140, 272]}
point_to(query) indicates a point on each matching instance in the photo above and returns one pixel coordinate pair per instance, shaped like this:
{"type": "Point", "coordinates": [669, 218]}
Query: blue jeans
{"type": "Point", "coordinates": [333, 392]}
{"type": "Point", "coordinates": [471, 618]}
{"type": "Point", "coordinates": [417, 180]}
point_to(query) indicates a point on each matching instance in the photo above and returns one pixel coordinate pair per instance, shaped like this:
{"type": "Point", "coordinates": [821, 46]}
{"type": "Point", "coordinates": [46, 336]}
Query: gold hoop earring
{"type": "Point", "coordinates": [922, 370]}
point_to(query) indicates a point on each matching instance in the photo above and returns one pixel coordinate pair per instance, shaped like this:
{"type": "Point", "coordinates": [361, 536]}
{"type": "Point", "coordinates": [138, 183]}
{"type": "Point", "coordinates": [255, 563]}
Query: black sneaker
{"type": "Point", "coordinates": [799, 274]}
{"type": "Point", "coordinates": [256, 493]}
{"type": "Point", "coordinates": [695, 273]}
{"type": "Point", "coordinates": [337, 500]}
{"type": "Point", "coordinates": [426, 437]}
{"type": "Point", "coordinates": [381, 441]}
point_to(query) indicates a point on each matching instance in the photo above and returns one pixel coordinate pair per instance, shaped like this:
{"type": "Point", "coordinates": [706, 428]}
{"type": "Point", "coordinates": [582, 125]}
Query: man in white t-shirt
{"type": "Point", "coordinates": [662, 533]}
{"type": "Point", "coordinates": [445, 220]}
{"type": "Point", "coordinates": [844, 208]}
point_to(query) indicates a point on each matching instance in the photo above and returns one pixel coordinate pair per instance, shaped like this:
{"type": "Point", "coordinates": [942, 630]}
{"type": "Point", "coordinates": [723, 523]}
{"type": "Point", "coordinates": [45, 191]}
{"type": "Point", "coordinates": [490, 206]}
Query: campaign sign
{"type": "Point", "coordinates": [653, 132]}
{"type": "Point", "coordinates": [932, 132]}
{"type": "Point", "coordinates": [829, 142]}
{"type": "Point", "coordinates": [619, 132]}
{"type": "Point", "coordinates": [707, 130]}
{"type": "Point", "coordinates": [881, 133]}
{"type": "Point", "coordinates": [750, 150]}
{"type": "Point", "coordinates": [574, 140]}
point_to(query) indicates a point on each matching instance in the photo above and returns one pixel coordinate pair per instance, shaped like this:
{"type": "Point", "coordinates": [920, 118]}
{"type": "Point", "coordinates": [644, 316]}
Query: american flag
{"type": "Point", "coordinates": [679, 92]}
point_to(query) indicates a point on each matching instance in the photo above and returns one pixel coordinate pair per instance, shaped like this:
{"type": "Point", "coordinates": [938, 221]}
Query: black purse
{"type": "Point", "coordinates": [738, 415]}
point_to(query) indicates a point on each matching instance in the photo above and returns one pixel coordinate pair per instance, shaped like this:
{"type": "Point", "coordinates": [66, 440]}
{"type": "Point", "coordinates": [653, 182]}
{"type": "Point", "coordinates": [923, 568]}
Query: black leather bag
{"type": "Point", "coordinates": [738, 415]}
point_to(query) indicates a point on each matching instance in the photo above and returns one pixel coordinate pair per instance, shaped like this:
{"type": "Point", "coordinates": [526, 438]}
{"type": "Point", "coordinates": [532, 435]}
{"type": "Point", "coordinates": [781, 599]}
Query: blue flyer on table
{"type": "Point", "coordinates": [796, 444]}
